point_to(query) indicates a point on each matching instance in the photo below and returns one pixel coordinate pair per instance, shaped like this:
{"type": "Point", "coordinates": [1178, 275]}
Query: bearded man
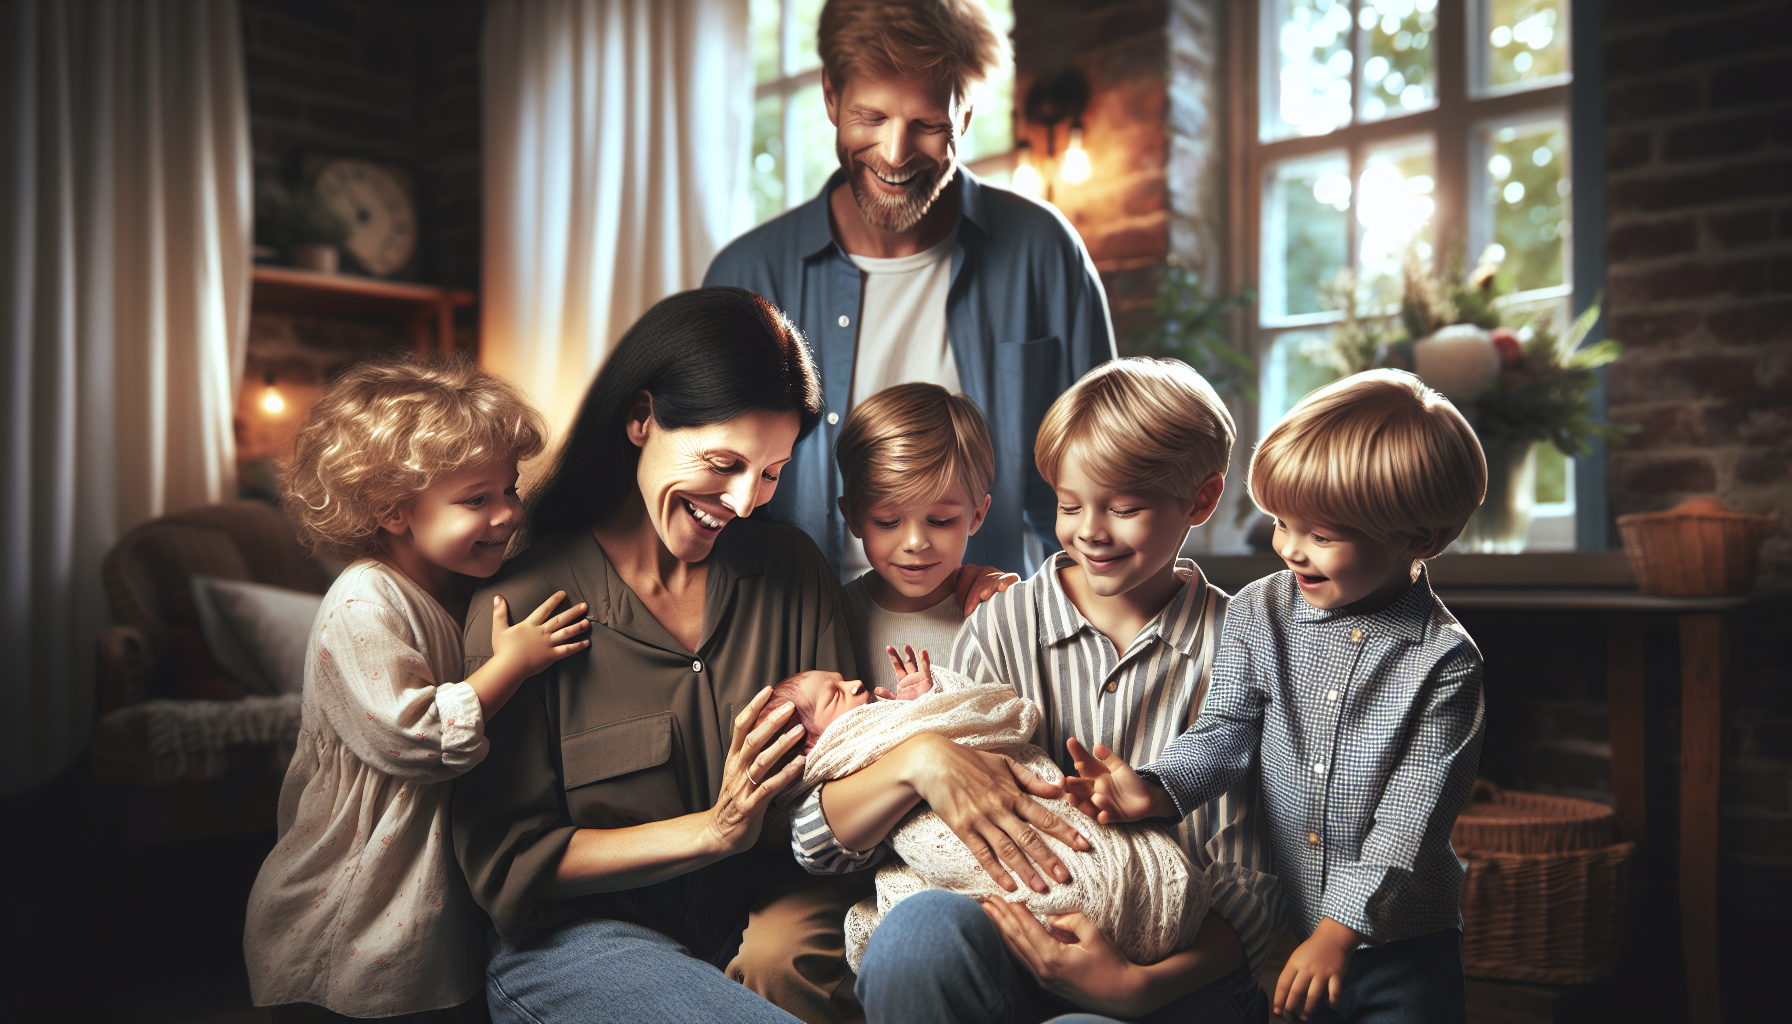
{"type": "Point", "coordinates": [905, 268]}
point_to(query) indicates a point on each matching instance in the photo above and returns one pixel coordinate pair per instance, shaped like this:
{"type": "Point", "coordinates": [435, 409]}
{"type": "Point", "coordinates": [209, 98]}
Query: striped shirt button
{"type": "Point", "coordinates": [1113, 684]}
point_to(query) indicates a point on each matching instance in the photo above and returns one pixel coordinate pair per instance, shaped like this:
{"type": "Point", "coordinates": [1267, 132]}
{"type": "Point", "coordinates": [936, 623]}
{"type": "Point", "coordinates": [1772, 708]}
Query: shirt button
{"type": "Point", "coordinates": [1331, 695]}
{"type": "Point", "coordinates": [1113, 684]}
{"type": "Point", "coordinates": [833, 418]}
{"type": "Point", "coordinates": [1313, 837]}
{"type": "Point", "coordinates": [1319, 769]}
{"type": "Point", "coordinates": [696, 666]}
{"type": "Point", "coordinates": [845, 321]}
{"type": "Point", "coordinates": [1356, 636]}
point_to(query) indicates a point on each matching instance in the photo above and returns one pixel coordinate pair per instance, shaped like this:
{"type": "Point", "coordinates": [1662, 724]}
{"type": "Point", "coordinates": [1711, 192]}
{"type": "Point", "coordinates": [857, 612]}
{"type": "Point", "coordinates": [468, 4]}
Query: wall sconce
{"type": "Point", "coordinates": [271, 402]}
{"type": "Point", "coordinates": [1050, 101]}
{"type": "Point", "coordinates": [1026, 177]}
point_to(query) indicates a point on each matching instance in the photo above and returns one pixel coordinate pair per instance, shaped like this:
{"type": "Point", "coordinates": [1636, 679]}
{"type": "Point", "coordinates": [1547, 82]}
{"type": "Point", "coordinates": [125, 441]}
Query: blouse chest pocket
{"type": "Point", "coordinates": [622, 774]}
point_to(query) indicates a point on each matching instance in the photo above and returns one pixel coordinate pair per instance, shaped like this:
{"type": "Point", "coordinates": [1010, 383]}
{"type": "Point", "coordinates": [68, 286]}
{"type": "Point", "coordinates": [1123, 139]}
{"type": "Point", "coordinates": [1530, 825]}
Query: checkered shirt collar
{"type": "Point", "coordinates": [1407, 618]}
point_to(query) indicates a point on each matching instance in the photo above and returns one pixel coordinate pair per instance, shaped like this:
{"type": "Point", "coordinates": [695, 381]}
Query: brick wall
{"type": "Point", "coordinates": [1699, 250]}
{"type": "Point", "coordinates": [394, 81]}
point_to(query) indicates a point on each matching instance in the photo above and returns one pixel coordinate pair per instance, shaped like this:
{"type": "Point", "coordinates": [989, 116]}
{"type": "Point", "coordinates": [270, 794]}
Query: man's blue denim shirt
{"type": "Point", "coordinates": [1026, 316]}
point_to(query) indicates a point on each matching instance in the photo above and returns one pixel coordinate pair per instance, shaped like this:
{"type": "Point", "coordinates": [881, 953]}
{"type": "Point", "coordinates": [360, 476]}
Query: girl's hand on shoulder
{"type": "Point", "coordinates": [541, 639]}
{"type": "Point", "coordinates": [978, 583]}
{"type": "Point", "coordinates": [912, 679]}
{"type": "Point", "coordinates": [1071, 958]}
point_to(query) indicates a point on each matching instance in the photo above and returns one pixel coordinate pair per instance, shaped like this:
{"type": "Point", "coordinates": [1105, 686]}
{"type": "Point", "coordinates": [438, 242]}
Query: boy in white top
{"type": "Point", "coordinates": [916, 460]}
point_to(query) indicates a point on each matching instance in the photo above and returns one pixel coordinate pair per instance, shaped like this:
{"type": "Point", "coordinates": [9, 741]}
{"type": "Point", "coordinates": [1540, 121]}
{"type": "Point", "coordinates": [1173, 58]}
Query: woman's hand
{"type": "Point", "coordinates": [984, 799]}
{"type": "Point", "coordinates": [1072, 959]}
{"type": "Point", "coordinates": [912, 680]}
{"type": "Point", "coordinates": [978, 583]}
{"type": "Point", "coordinates": [1107, 789]}
{"type": "Point", "coordinates": [750, 778]}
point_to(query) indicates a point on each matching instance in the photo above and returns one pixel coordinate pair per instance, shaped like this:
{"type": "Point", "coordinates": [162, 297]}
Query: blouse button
{"type": "Point", "coordinates": [833, 418]}
{"type": "Point", "coordinates": [696, 666]}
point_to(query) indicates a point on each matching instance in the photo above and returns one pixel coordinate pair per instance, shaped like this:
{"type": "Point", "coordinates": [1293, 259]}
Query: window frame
{"type": "Point", "coordinates": [1459, 111]}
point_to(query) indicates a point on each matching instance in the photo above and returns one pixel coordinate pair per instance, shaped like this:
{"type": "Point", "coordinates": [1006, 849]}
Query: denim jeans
{"type": "Point", "coordinates": [600, 971]}
{"type": "Point", "coordinates": [936, 957]}
{"type": "Point", "coordinates": [1412, 981]}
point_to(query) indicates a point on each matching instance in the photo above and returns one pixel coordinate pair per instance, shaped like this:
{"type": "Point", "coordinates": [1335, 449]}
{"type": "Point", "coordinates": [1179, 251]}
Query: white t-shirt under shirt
{"type": "Point", "coordinates": [902, 336]}
{"type": "Point", "coordinates": [873, 628]}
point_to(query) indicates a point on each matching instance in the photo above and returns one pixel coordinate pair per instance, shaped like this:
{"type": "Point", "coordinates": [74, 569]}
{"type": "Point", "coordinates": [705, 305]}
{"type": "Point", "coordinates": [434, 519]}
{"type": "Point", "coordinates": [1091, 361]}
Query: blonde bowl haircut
{"type": "Point", "coordinates": [1379, 453]}
{"type": "Point", "coordinates": [951, 41]}
{"type": "Point", "coordinates": [907, 445]}
{"type": "Point", "coordinates": [382, 433]}
{"type": "Point", "coordinates": [1139, 424]}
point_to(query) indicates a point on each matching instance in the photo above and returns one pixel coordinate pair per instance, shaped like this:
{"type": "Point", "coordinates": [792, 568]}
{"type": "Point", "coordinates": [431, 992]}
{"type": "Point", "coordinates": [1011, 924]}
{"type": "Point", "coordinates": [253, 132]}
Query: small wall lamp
{"type": "Point", "coordinates": [1049, 102]}
{"type": "Point", "coordinates": [271, 401]}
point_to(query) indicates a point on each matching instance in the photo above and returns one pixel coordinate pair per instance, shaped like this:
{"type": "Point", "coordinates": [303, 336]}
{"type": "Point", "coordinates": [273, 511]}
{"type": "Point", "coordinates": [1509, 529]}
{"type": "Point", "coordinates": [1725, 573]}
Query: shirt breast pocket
{"type": "Point", "coordinates": [622, 774]}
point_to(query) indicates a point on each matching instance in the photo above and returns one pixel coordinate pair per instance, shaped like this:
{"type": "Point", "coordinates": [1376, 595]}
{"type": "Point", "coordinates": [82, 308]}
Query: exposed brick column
{"type": "Point", "coordinates": [1699, 249]}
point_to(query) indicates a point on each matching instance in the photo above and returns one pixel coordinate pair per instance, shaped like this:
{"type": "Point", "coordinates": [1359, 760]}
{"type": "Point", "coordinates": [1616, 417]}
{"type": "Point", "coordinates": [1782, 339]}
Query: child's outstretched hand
{"type": "Point", "coordinates": [539, 640]}
{"type": "Point", "coordinates": [912, 679]}
{"type": "Point", "coordinates": [1107, 789]}
{"type": "Point", "coordinates": [1316, 970]}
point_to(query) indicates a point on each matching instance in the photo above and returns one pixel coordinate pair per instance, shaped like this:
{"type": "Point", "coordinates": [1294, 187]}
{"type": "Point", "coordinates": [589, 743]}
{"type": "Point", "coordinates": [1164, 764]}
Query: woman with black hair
{"type": "Point", "coordinates": [617, 832]}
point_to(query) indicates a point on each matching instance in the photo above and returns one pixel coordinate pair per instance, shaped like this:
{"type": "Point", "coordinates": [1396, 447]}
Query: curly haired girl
{"type": "Point", "coordinates": [407, 471]}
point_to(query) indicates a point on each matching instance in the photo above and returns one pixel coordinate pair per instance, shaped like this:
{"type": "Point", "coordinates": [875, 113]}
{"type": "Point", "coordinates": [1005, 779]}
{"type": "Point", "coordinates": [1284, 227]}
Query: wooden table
{"type": "Point", "coordinates": [1703, 624]}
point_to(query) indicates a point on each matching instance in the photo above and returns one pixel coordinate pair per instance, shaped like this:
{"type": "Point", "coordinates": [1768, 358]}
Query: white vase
{"type": "Point", "coordinates": [1501, 524]}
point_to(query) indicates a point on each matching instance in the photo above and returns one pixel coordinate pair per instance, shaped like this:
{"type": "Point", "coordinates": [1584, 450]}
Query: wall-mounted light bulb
{"type": "Point", "coordinates": [1075, 168]}
{"type": "Point", "coordinates": [1026, 177]}
{"type": "Point", "coordinates": [270, 399]}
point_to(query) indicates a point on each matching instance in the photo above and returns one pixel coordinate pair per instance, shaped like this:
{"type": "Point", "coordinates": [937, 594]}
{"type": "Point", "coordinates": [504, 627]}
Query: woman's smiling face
{"type": "Point", "coordinates": [695, 480]}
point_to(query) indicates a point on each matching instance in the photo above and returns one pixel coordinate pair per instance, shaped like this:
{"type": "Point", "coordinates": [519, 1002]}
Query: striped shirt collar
{"type": "Point", "coordinates": [1178, 624]}
{"type": "Point", "coordinates": [1407, 618]}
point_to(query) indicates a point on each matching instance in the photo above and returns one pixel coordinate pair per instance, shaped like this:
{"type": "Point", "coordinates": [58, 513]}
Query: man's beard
{"type": "Point", "coordinates": [895, 213]}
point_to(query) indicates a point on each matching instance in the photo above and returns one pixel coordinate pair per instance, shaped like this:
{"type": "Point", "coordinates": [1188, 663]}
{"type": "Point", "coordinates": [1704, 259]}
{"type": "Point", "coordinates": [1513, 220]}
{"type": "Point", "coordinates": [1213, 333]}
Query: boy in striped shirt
{"type": "Point", "coordinates": [1112, 638]}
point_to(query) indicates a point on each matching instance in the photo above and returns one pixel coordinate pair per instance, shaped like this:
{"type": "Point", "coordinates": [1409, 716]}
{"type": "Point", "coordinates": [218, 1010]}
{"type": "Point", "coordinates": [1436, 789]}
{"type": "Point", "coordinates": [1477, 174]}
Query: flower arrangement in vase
{"type": "Point", "coordinates": [1519, 381]}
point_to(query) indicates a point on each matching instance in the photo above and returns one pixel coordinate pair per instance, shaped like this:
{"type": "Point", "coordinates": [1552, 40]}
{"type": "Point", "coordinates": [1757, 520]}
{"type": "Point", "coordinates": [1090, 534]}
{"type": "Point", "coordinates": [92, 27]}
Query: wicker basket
{"type": "Point", "coordinates": [1697, 548]}
{"type": "Point", "coordinates": [1544, 895]}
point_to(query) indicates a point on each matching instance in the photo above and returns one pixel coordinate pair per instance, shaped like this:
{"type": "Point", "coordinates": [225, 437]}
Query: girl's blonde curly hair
{"type": "Point", "coordinates": [383, 432]}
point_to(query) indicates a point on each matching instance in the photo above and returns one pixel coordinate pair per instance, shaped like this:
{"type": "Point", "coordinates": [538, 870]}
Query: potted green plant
{"type": "Point", "coordinates": [298, 222]}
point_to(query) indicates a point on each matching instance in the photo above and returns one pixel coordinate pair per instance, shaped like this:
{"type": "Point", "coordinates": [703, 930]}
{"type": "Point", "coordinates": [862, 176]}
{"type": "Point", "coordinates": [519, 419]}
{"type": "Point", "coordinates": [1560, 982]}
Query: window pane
{"type": "Point", "coordinates": [1399, 67]}
{"type": "Point", "coordinates": [1522, 41]}
{"type": "Point", "coordinates": [992, 127]}
{"type": "Point", "coordinates": [766, 180]}
{"type": "Point", "coordinates": [815, 151]}
{"type": "Point", "coordinates": [1294, 366]}
{"type": "Point", "coordinates": [1525, 201]}
{"type": "Point", "coordinates": [1306, 62]}
{"type": "Point", "coordinates": [1304, 232]}
{"type": "Point", "coordinates": [1394, 206]}
{"type": "Point", "coordinates": [766, 20]}
{"type": "Point", "coordinates": [805, 21]}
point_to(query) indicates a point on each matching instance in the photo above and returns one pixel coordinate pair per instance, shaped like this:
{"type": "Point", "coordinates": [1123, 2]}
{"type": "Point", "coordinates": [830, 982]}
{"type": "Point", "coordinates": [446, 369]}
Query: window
{"type": "Point", "coordinates": [793, 142]}
{"type": "Point", "coordinates": [1383, 126]}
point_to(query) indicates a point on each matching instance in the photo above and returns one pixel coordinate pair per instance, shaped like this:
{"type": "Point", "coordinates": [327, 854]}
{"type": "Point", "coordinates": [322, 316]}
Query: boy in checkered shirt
{"type": "Point", "coordinates": [1356, 692]}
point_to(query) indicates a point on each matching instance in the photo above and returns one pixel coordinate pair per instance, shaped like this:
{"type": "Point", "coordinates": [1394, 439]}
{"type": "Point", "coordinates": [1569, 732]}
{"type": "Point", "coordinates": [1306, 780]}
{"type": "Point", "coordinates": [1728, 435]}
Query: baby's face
{"type": "Point", "coordinates": [833, 695]}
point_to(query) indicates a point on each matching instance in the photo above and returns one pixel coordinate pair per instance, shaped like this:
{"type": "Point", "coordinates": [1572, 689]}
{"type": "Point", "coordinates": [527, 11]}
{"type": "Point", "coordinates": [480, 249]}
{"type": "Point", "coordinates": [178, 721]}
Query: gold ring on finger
{"type": "Point", "coordinates": [1028, 837]}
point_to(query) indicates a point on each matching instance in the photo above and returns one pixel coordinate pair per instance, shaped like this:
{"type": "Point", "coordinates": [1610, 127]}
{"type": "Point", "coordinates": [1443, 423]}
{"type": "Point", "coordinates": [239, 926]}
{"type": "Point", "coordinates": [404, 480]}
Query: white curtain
{"type": "Point", "coordinates": [616, 143]}
{"type": "Point", "coordinates": [124, 286]}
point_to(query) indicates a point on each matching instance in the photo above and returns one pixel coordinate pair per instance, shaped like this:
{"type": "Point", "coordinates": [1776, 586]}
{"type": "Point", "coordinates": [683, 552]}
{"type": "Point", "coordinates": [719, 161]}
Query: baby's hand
{"type": "Point", "coordinates": [1107, 789]}
{"type": "Point", "coordinates": [912, 679]}
{"type": "Point", "coordinates": [539, 640]}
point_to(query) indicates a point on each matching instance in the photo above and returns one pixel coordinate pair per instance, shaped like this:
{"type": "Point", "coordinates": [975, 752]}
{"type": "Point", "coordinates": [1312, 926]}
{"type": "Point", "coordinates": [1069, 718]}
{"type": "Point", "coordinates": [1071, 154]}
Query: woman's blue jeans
{"type": "Point", "coordinates": [936, 957]}
{"type": "Point", "coordinates": [601, 971]}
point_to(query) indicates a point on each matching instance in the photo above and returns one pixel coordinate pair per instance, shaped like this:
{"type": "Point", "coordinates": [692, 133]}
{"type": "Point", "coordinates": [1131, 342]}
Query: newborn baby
{"type": "Point", "coordinates": [1135, 883]}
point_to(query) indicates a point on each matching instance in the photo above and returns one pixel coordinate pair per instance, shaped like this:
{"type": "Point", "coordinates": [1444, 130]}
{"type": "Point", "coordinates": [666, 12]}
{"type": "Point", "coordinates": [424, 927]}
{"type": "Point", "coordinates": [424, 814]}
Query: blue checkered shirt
{"type": "Point", "coordinates": [1368, 731]}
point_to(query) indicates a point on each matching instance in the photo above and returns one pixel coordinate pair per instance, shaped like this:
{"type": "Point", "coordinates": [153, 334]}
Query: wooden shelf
{"type": "Point", "coordinates": [291, 290]}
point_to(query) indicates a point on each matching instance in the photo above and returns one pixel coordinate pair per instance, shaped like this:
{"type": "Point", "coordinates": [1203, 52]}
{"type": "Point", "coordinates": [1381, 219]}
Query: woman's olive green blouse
{"type": "Point", "coordinates": [636, 728]}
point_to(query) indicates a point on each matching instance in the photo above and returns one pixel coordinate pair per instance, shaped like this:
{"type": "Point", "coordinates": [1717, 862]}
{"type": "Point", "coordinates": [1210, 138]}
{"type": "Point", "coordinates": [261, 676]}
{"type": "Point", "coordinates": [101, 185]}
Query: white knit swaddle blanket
{"type": "Point", "coordinates": [1136, 884]}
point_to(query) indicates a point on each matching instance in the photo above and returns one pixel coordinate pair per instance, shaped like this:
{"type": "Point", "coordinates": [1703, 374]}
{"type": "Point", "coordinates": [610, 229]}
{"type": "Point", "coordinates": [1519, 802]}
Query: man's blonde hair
{"type": "Point", "coordinates": [1379, 453]}
{"type": "Point", "coordinates": [1139, 424]}
{"type": "Point", "coordinates": [951, 41]}
{"type": "Point", "coordinates": [382, 433]}
{"type": "Point", "coordinates": [907, 445]}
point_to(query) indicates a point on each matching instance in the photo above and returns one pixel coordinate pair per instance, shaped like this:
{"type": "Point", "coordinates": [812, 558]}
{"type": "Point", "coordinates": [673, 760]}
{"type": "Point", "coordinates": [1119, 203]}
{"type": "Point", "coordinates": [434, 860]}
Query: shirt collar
{"type": "Point", "coordinates": [1178, 624]}
{"type": "Point", "coordinates": [1406, 618]}
{"type": "Point", "coordinates": [815, 235]}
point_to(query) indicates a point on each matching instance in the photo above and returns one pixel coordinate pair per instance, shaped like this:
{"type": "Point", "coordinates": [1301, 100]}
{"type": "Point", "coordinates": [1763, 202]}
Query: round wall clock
{"type": "Point", "coordinates": [375, 201]}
